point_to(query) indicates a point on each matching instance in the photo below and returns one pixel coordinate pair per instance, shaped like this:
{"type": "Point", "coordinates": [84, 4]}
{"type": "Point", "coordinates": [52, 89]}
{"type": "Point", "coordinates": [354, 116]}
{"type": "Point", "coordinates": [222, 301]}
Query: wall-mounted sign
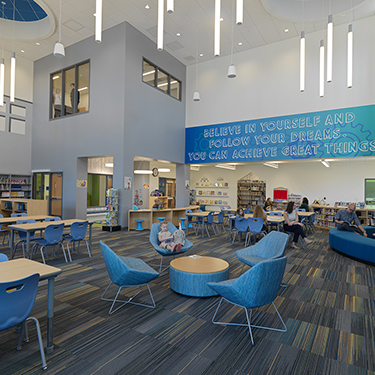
{"type": "Point", "coordinates": [346, 132]}
{"type": "Point", "coordinates": [81, 183]}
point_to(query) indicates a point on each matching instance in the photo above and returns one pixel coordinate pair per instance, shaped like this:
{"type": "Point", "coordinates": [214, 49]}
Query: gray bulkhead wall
{"type": "Point", "coordinates": [154, 121]}
{"type": "Point", "coordinates": [56, 144]}
{"type": "Point", "coordinates": [126, 116]}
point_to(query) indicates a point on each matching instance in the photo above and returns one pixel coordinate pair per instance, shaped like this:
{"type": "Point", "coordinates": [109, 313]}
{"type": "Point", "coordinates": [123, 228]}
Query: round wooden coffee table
{"type": "Point", "coordinates": [189, 275]}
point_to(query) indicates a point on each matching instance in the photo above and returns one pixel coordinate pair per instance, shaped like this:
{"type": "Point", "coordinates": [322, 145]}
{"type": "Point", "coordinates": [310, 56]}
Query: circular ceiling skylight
{"type": "Point", "coordinates": [32, 19]}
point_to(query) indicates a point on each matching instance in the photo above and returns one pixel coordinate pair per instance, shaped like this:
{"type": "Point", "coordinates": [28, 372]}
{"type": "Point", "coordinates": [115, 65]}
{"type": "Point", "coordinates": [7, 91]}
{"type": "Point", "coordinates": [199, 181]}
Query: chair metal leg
{"type": "Point", "coordinates": [248, 320]}
{"type": "Point", "coordinates": [130, 300]}
{"type": "Point", "coordinates": [160, 264]}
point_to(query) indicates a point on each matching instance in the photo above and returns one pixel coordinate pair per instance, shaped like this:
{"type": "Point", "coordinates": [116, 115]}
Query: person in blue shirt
{"type": "Point", "coordinates": [344, 219]}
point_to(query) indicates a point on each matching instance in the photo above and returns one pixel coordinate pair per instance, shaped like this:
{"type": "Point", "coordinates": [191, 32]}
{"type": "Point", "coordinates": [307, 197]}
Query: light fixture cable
{"type": "Point", "coordinates": [349, 79]}
{"type": "Point", "coordinates": [2, 66]}
{"type": "Point", "coordinates": [13, 60]}
{"type": "Point", "coordinates": [232, 69]}
{"type": "Point", "coordinates": [59, 50]}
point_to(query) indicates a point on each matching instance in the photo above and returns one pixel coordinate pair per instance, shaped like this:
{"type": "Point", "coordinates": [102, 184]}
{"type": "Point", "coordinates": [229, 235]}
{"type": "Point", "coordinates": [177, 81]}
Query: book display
{"type": "Point", "coordinates": [111, 217]}
{"type": "Point", "coordinates": [211, 193]}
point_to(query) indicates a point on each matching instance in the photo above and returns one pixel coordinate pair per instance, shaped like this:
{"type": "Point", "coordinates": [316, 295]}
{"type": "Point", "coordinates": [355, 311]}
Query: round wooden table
{"type": "Point", "coordinates": [189, 275]}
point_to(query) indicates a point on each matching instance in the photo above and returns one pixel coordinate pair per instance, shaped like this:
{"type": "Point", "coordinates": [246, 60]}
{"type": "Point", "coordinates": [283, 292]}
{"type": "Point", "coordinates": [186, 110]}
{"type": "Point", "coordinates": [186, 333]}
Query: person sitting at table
{"type": "Point", "coordinates": [305, 204]}
{"type": "Point", "coordinates": [166, 238]}
{"type": "Point", "coordinates": [259, 213]}
{"type": "Point", "coordinates": [268, 205]}
{"type": "Point", "coordinates": [240, 214]}
{"type": "Point", "coordinates": [293, 225]}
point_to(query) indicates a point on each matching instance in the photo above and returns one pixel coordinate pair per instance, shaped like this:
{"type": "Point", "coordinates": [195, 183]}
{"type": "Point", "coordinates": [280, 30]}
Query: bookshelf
{"type": "Point", "coordinates": [325, 215]}
{"type": "Point", "coordinates": [212, 195]}
{"type": "Point", "coordinates": [30, 206]}
{"type": "Point", "coordinates": [250, 193]}
{"type": "Point", "coordinates": [111, 216]}
{"type": "Point", "coordinates": [15, 186]}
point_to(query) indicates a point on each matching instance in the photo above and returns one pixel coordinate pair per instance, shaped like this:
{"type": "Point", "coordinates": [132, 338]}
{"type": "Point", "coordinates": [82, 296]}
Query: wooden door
{"type": "Point", "coordinates": [56, 194]}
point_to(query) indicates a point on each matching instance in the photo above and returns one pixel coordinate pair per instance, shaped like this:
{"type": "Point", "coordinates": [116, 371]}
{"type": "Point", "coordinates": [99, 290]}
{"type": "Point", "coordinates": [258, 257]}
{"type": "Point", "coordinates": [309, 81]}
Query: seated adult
{"type": "Point", "coordinates": [268, 205]}
{"type": "Point", "coordinates": [293, 225]}
{"type": "Point", "coordinates": [305, 204]}
{"type": "Point", "coordinates": [344, 220]}
{"type": "Point", "coordinates": [259, 213]}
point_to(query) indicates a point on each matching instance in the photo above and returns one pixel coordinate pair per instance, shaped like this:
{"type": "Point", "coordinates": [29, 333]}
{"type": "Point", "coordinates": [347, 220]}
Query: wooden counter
{"type": "Point", "coordinates": [151, 216]}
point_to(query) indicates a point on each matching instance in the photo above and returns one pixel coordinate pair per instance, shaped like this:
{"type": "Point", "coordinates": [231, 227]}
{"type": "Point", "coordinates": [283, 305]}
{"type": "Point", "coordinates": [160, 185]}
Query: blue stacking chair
{"type": "Point", "coordinates": [256, 287]}
{"type": "Point", "coordinates": [18, 214]}
{"type": "Point", "coordinates": [3, 257]}
{"type": "Point", "coordinates": [52, 236]}
{"type": "Point", "coordinates": [246, 211]}
{"type": "Point", "coordinates": [269, 247]}
{"type": "Point", "coordinates": [208, 221]}
{"type": "Point", "coordinates": [300, 209]}
{"type": "Point", "coordinates": [23, 237]}
{"type": "Point", "coordinates": [309, 223]}
{"type": "Point", "coordinates": [191, 222]}
{"type": "Point", "coordinates": [256, 227]}
{"type": "Point", "coordinates": [242, 226]}
{"type": "Point", "coordinates": [78, 232]}
{"type": "Point", "coordinates": [126, 272]}
{"type": "Point", "coordinates": [220, 221]}
{"type": "Point", "coordinates": [55, 218]}
{"type": "Point", "coordinates": [17, 300]}
{"type": "Point", "coordinates": [154, 240]}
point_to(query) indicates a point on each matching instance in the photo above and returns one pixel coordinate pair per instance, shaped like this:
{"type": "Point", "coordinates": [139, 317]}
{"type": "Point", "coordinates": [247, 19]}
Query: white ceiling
{"type": "Point", "coordinates": [265, 22]}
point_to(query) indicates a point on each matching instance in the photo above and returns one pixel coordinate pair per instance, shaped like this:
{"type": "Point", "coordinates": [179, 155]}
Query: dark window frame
{"type": "Point", "coordinates": [62, 71]}
{"type": "Point", "coordinates": [170, 78]}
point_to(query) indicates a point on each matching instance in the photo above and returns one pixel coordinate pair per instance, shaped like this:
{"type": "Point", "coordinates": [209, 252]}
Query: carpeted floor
{"type": "Point", "coordinates": [328, 307]}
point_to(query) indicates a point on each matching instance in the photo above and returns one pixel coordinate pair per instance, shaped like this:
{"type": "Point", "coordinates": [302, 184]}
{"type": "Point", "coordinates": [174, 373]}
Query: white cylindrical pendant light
{"type": "Point", "coordinates": [2, 83]}
{"type": "Point", "coordinates": [232, 71]}
{"type": "Point", "coordinates": [329, 48]}
{"type": "Point", "coordinates": [217, 28]}
{"type": "Point", "coordinates": [160, 31]}
{"type": "Point", "coordinates": [170, 6]}
{"type": "Point", "coordinates": [196, 96]}
{"type": "Point", "coordinates": [239, 12]}
{"type": "Point", "coordinates": [350, 57]}
{"type": "Point", "coordinates": [12, 77]}
{"type": "Point", "coordinates": [302, 62]}
{"type": "Point", "coordinates": [98, 20]}
{"type": "Point", "coordinates": [321, 69]}
{"type": "Point", "coordinates": [59, 50]}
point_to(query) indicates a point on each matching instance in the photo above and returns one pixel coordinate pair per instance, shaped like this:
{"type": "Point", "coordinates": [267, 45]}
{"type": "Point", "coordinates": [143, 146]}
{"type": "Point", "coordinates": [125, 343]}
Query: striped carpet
{"type": "Point", "coordinates": [328, 308]}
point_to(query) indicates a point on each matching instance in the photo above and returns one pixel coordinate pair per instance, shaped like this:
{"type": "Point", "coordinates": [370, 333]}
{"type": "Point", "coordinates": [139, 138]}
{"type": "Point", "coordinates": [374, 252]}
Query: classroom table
{"type": "Point", "coordinates": [13, 220]}
{"type": "Point", "coordinates": [202, 215]}
{"type": "Point", "coordinates": [19, 268]}
{"type": "Point", "coordinates": [31, 227]}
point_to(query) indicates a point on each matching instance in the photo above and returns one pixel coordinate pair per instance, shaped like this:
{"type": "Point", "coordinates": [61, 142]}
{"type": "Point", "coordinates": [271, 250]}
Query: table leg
{"type": "Point", "coordinates": [28, 244]}
{"type": "Point", "coordinates": [50, 298]}
{"type": "Point", "coordinates": [11, 243]}
{"type": "Point", "coordinates": [90, 230]}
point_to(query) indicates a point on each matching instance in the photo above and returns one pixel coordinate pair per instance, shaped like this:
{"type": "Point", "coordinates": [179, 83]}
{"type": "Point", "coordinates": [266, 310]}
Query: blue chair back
{"type": "Point", "coordinates": [259, 285]}
{"type": "Point", "coordinates": [53, 233]}
{"type": "Point", "coordinates": [18, 214]}
{"type": "Point", "coordinates": [246, 211]}
{"type": "Point", "coordinates": [78, 230]}
{"type": "Point", "coordinates": [17, 299]}
{"type": "Point", "coordinates": [210, 218]}
{"type": "Point", "coordinates": [301, 209]}
{"type": "Point", "coordinates": [3, 257]}
{"type": "Point", "coordinates": [255, 224]}
{"type": "Point", "coordinates": [242, 225]}
{"type": "Point", "coordinates": [275, 213]}
{"type": "Point", "coordinates": [23, 235]}
{"type": "Point", "coordinates": [55, 218]}
{"type": "Point", "coordinates": [220, 217]}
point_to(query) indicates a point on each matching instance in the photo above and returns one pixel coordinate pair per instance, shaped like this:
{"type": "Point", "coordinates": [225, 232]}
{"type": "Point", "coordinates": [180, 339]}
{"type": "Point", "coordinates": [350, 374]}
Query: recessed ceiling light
{"type": "Point", "coordinates": [221, 19]}
{"type": "Point", "coordinates": [37, 43]}
{"type": "Point", "coordinates": [201, 54]}
{"type": "Point", "coordinates": [240, 43]}
{"type": "Point", "coordinates": [286, 30]}
{"type": "Point", "coordinates": [147, 7]}
{"type": "Point", "coordinates": [178, 34]}
{"type": "Point", "coordinates": [22, 51]}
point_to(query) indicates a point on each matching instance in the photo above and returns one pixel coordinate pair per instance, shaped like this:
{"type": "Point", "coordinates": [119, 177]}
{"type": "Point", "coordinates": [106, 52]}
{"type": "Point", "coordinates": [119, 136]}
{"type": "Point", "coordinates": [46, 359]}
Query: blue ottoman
{"type": "Point", "coordinates": [189, 275]}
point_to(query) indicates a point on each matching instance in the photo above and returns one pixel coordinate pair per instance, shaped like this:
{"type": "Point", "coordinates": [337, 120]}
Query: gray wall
{"type": "Point", "coordinates": [126, 117]}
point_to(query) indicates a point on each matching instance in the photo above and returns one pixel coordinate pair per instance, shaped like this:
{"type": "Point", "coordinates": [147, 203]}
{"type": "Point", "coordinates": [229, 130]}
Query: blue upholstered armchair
{"type": "Point", "coordinates": [154, 240]}
{"type": "Point", "coordinates": [126, 272]}
{"type": "Point", "coordinates": [256, 287]}
{"type": "Point", "coordinates": [269, 247]}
